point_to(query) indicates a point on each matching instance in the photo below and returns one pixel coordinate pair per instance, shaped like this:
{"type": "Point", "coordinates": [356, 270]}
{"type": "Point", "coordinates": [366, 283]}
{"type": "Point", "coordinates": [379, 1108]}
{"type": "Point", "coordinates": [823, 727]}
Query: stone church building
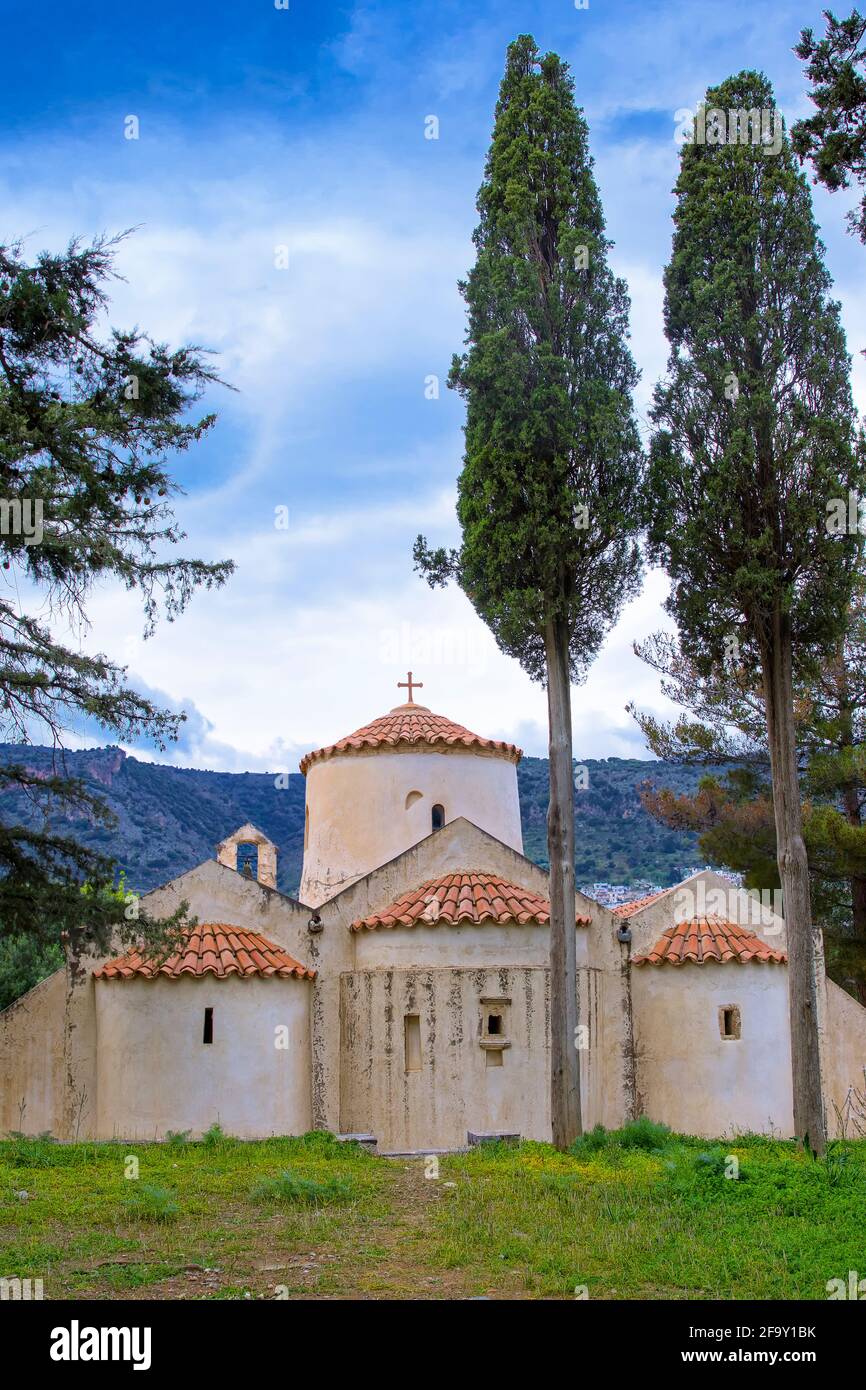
{"type": "Point", "coordinates": [406, 995]}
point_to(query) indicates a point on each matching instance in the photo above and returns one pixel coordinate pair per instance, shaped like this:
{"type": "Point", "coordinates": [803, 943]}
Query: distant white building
{"type": "Point", "coordinates": [407, 995]}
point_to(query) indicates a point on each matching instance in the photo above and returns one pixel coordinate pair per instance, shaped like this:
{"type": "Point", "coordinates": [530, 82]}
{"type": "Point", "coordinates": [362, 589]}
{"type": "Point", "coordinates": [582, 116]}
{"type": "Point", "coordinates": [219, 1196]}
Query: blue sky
{"type": "Point", "coordinates": [262, 128]}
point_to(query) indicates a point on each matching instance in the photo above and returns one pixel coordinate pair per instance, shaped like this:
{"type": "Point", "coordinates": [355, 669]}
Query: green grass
{"type": "Point", "coordinates": [639, 1213]}
{"type": "Point", "coordinates": [290, 1187]}
{"type": "Point", "coordinates": [632, 1221]}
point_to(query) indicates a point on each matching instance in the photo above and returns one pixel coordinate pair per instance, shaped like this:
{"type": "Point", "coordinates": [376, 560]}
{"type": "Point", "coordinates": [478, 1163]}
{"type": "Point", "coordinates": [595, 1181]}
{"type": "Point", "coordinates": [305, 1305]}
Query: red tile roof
{"type": "Point", "coordinates": [464, 897]}
{"type": "Point", "coordinates": [626, 909]}
{"type": "Point", "coordinates": [708, 938]}
{"type": "Point", "coordinates": [214, 949]}
{"type": "Point", "coordinates": [407, 726]}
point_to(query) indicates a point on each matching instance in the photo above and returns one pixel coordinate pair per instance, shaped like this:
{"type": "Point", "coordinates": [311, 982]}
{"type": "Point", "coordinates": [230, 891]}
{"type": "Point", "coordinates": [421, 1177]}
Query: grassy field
{"type": "Point", "coordinates": [638, 1214]}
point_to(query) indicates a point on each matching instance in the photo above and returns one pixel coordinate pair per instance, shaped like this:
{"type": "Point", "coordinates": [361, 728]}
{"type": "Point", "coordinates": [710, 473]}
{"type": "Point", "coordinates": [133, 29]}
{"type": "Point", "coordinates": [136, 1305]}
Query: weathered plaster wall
{"type": "Point", "coordinates": [455, 1089]}
{"type": "Point", "coordinates": [460, 845]}
{"type": "Point", "coordinates": [32, 1059]}
{"type": "Point", "coordinates": [604, 1004]}
{"type": "Point", "coordinates": [692, 1079]}
{"type": "Point", "coordinates": [358, 818]}
{"type": "Point", "coordinates": [155, 1073]}
{"type": "Point", "coordinates": [603, 1000]}
{"type": "Point", "coordinates": [486, 946]}
{"type": "Point", "coordinates": [48, 1054]}
{"type": "Point", "coordinates": [844, 1057]}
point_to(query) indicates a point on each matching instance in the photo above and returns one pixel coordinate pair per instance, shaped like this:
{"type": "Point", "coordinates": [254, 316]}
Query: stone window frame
{"type": "Point", "coordinates": [736, 1022]}
{"type": "Point", "coordinates": [500, 1006]}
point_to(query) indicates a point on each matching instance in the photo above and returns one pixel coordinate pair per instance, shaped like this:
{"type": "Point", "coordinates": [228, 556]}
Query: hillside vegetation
{"type": "Point", "coordinates": [170, 819]}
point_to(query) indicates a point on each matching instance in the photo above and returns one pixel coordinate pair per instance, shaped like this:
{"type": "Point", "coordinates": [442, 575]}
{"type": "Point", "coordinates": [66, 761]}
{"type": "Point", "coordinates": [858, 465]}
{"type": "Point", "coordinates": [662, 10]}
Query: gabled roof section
{"type": "Point", "coordinates": [213, 949]}
{"type": "Point", "coordinates": [628, 909]}
{"type": "Point", "coordinates": [214, 866]}
{"type": "Point", "coordinates": [708, 939]}
{"type": "Point", "coordinates": [464, 896]}
{"type": "Point", "coordinates": [411, 726]}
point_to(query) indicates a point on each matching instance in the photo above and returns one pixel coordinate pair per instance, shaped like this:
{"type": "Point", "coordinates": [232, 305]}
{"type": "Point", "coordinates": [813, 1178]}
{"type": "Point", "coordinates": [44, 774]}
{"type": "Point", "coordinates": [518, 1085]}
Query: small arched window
{"type": "Point", "coordinates": [248, 860]}
{"type": "Point", "coordinates": [438, 817]}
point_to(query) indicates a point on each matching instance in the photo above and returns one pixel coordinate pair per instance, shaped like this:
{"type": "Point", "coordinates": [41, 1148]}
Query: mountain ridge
{"type": "Point", "coordinates": [170, 818]}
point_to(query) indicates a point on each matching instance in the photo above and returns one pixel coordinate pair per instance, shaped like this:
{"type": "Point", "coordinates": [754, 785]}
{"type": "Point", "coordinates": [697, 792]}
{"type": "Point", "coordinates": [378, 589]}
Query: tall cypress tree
{"type": "Point", "coordinates": [549, 492]}
{"type": "Point", "coordinates": [757, 435]}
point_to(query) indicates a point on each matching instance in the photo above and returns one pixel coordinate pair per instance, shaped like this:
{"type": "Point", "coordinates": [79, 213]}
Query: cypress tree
{"type": "Point", "coordinates": [549, 491]}
{"type": "Point", "coordinates": [757, 443]}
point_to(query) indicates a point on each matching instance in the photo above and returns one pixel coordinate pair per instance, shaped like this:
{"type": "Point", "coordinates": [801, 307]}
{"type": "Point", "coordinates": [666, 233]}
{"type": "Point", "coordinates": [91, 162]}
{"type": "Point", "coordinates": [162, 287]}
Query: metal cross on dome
{"type": "Point", "coordinates": [412, 685]}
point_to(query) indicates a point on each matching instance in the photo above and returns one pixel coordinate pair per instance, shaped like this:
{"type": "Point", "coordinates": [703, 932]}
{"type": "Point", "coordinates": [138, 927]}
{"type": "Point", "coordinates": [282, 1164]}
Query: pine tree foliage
{"type": "Point", "coordinates": [834, 138]}
{"type": "Point", "coordinates": [88, 424]}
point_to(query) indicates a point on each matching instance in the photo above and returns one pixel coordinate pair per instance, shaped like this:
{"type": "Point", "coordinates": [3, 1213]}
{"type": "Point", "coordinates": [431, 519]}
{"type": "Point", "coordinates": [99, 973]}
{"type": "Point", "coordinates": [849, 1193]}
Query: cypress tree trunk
{"type": "Point", "coordinates": [564, 1059]}
{"type": "Point", "coordinates": [794, 876]}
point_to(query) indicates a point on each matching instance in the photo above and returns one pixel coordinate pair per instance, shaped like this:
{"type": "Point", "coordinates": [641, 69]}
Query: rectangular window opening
{"type": "Point", "coordinates": [729, 1021]}
{"type": "Point", "coordinates": [494, 1025]}
{"type": "Point", "coordinates": [207, 1036]}
{"type": "Point", "coordinates": [412, 1041]}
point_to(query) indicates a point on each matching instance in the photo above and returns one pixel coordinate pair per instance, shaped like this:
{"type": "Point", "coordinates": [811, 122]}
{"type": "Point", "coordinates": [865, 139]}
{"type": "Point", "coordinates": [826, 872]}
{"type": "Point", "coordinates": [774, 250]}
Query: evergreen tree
{"type": "Point", "coordinates": [834, 139]}
{"type": "Point", "coordinates": [725, 722]}
{"type": "Point", "coordinates": [756, 439]}
{"type": "Point", "coordinates": [549, 492]}
{"type": "Point", "coordinates": [87, 424]}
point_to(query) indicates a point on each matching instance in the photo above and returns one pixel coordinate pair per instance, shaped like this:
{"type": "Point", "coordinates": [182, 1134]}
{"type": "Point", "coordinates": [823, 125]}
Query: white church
{"type": "Point", "coordinates": [406, 996]}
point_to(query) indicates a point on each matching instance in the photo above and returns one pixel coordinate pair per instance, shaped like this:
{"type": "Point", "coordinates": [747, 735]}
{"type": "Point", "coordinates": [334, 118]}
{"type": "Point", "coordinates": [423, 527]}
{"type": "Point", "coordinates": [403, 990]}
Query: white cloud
{"type": "Point", "coordinates": [309, 638]}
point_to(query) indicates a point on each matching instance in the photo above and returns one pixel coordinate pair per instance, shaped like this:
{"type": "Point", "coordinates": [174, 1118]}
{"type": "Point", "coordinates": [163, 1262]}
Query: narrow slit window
{"type": "Point", "coordinates": [729, 1021]}
{"type": "Point", "coordinates": [207, 1035]}
{"type": "Point", "coordinates": [412, 1041]}
{"type": "Point", "coordinates": [438, 817]}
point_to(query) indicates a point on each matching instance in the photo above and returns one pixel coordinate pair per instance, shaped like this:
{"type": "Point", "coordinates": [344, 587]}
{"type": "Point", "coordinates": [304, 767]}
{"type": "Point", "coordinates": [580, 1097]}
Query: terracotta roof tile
{"type": "Point", "coordinates": [638, 904]}
{"type": "Point", "coordinates": [213, 949]}
{"type": "Point", "coordinates": [407, 726]}
{"type": "Point", "coordinates": [708, 938]}
{"type": "Point", "coordinates": [464, 897]}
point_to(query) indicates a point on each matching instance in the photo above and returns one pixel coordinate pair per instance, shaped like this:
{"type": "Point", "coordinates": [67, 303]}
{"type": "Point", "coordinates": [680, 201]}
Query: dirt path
{"type": "Point", "coordinates": [389, 1255]}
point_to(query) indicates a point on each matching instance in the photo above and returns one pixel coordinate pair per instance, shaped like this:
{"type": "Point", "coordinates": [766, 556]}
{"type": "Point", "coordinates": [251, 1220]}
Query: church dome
{"type": "Point", "coordinates": [409, 726]}
{"type": "Point", "coordinates": [377, 792]}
